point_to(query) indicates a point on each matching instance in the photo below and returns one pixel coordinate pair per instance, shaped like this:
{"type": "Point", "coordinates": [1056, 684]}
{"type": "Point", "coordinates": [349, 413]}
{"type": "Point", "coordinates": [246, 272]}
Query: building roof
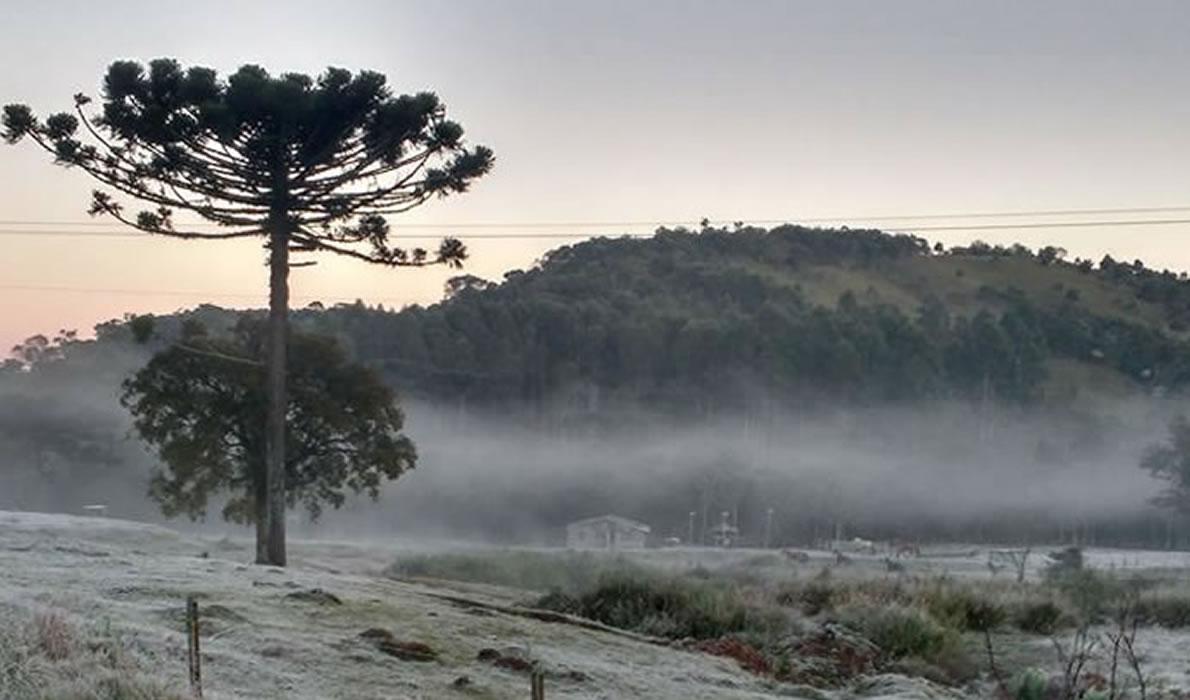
{"type": "Point", "coordinates": [623, 522]}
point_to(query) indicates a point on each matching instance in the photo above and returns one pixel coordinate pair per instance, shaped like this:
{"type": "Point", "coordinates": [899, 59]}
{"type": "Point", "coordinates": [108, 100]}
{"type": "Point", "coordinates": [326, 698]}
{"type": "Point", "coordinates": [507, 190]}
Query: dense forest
{"type": "Point", "coordinates": [807, 370]}
{"type": "Point", "coordinates": [703, 321]}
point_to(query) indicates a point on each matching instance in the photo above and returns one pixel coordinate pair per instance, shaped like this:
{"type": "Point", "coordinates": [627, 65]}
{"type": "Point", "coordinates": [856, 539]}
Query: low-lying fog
{"type": "Point", "coordinates": [937, 472]}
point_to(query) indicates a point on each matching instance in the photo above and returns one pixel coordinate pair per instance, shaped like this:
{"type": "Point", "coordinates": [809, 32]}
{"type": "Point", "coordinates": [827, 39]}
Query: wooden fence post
{"type": "Point", "coordinates": [537, 683]}
{"type": "Point", "coordinates": [193, 645]}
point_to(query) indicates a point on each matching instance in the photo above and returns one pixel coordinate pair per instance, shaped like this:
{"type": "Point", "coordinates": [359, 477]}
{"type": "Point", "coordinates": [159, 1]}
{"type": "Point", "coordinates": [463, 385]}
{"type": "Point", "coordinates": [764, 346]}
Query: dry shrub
{"type": "Point", "coordinates": [54, 636]}
{"type": "Point", "coordinates": [43, 656]}
{"type": "Point", "coordinates": [749, 657]}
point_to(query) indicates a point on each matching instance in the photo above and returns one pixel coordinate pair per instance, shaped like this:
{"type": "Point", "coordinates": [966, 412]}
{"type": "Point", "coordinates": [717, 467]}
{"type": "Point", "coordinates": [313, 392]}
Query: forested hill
{"type": "Point", "coordinates": [703, 321]}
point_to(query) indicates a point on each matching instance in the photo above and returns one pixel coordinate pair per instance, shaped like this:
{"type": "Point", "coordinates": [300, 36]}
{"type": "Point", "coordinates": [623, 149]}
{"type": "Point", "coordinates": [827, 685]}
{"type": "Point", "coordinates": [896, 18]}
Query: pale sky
{"type": "Point", "coordinates": [654, 110]}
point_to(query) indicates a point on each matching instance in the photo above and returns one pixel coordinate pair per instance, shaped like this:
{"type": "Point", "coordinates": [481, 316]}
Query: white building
{"type": "Point", "coordinates": [607, 532]}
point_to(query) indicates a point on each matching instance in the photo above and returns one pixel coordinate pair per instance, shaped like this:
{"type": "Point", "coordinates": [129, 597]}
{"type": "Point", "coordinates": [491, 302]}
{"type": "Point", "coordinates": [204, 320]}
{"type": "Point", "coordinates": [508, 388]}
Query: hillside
{"type": "Point", "coordinates": [708, 319]}
{"type": "Point", "coordinates": [704, 321]}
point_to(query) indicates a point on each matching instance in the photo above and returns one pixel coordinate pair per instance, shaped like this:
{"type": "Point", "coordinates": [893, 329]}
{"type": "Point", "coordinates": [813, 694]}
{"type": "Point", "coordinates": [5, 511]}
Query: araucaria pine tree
{"type": "Point", "coordinates": [308, 165]}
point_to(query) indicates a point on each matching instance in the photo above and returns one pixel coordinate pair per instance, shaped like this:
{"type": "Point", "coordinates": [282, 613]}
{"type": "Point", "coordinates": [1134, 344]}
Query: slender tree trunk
{"type": "Point", "coordinates": [260, 503]}
{"type": "Point", "coordinates": [278, 333]}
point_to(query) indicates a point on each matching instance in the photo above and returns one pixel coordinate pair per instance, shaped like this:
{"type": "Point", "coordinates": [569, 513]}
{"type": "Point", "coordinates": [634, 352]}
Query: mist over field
{"type": "Point", "coordinates": [920, 470]}
{"type": "Point", "coordinates": [940, 472]}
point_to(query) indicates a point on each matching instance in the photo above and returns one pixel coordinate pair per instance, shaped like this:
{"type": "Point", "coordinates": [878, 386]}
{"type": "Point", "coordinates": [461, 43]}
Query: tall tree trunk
{"type": "Point", "coordinates": [260, 505]}
{"type": "Point", "coordinates": [278, 334]}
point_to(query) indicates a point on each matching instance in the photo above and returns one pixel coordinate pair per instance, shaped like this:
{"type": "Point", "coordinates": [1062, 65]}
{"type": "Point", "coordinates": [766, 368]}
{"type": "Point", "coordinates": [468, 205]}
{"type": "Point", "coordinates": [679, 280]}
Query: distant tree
{"type": "Point", "coordinates": [201, 405]}
{"type": "Point", "coordinates": [1169, 462]}
{"type": "Point", "coordinates": [978, 247]}
{"type": "Point", "coordinates": [1112, 269]}
{"type": "Point", "coordinates": [1050, 254]}
{"type": "Point", "coordinates": [457, 285]}
{"type": "Point", "coordinates": [309, 165]}
{"type": "Point", "coordinates": [38, 349]}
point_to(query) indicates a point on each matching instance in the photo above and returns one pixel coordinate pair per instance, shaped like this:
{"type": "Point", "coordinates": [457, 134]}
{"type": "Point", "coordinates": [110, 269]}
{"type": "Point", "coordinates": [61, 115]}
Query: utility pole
{"type": "Point", "coordinates": [690, 530]}
{"type": "Point", "coordinates": [768, 528]}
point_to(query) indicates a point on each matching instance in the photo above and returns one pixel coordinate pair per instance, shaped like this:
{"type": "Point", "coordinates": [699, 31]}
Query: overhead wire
{"type": "Point", "coordinates": [687, 222]}
{"type": "Point", "coordinates": [929, 228]}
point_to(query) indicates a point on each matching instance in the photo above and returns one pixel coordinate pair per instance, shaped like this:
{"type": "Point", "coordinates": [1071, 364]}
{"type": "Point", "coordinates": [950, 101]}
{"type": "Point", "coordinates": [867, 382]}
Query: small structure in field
{"type": "Point", "coordinates": [607, 532]}
{"type": "Point", "coordinates": [724, 534]}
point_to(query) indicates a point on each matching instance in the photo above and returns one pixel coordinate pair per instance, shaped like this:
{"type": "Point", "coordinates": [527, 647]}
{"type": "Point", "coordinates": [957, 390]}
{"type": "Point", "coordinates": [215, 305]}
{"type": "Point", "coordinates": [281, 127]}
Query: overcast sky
{"type": "Point", "coordinates": [639, 111]}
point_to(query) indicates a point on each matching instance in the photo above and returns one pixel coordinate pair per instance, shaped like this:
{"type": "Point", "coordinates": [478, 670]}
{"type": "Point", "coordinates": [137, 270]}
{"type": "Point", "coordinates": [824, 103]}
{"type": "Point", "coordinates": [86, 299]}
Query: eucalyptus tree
{"type": "Point", "coordinates": [308, 165]}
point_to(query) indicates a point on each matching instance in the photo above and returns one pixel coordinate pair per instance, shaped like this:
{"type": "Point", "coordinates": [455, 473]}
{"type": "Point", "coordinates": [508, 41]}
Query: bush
{"type": "Point", "coordinates": [901, 632]}
{"type": "Point", "coordinates": [1039, 617]}
{"type": "Point", "coordinates": [1168, 609]}
{"type": "Point", "coordinates": [963, 609]}
{"type": "Point", "coordinates": [813, 598]}
{"type": "Point", "coordinates": [664, 607]}
{"type": "Point", "coordinates": [1090, 592]}
{"type": "Point", "coordinates": [1030, 685]}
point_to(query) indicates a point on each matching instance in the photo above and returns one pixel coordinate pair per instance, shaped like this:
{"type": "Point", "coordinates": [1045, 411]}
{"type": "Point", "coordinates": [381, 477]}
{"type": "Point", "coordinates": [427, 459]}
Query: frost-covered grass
{"type": "Point", "coordinates": [515, 568]}
{"type": "Point", "coordinates": [45, 655]}
{"type": "Point", "coordinates": [112, 595]}
{"type": "Point", "coordinates": [123, 586]}
{"type": "Point", "coordinates": [924, 621]}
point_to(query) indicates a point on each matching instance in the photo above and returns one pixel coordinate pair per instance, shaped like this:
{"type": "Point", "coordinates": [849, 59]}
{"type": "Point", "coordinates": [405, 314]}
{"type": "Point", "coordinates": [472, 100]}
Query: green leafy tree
{"type": "Point", "coordinates": [201, 405]}
{"type": "Point", "coordinates": [1170, 462]}
{"type": "Point", "coordinates": [310, 165]}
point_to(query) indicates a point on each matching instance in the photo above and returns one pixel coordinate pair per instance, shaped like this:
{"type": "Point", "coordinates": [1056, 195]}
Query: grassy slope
{"type": "Point", "coordinates": [957, 280]}
{"type": "Point", "coordinates": [127, 583]}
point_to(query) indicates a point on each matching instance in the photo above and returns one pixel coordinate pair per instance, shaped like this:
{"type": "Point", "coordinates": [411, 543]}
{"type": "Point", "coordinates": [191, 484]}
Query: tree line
{"type": "Point", "coordinates": [698, 321]}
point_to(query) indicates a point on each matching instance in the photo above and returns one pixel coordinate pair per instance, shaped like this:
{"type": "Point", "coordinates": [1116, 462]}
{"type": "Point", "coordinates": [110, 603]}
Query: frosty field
{"type": "Point", "coordinates": [111, 579]}
{"type": "Point", "coordinates": [118, 589]}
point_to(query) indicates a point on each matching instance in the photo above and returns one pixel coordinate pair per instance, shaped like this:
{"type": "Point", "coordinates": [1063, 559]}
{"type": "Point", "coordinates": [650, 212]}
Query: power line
{"type": "Point", "coordinates": [1101, 223]}
{"type": "Point", "coordinates": [1045, 224]}
{"type": "Point", "coordinates": [260, 296]}
{"type": "Point", "coordinates": [689, 222]}
{"type": "Point", "coordinates": [249, 295]}
{"type": "Point", "coordinates": [418, 237]}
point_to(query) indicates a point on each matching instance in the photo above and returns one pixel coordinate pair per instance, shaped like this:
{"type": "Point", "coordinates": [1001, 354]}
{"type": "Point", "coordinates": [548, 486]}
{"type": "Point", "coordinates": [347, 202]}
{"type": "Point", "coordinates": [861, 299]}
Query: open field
{"type": "Point", "coordinates": [119, 584]}
{"type": "Point", "coordinates": [93, 609]}
{"type": "Point", "coordinates": [926, 614]}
